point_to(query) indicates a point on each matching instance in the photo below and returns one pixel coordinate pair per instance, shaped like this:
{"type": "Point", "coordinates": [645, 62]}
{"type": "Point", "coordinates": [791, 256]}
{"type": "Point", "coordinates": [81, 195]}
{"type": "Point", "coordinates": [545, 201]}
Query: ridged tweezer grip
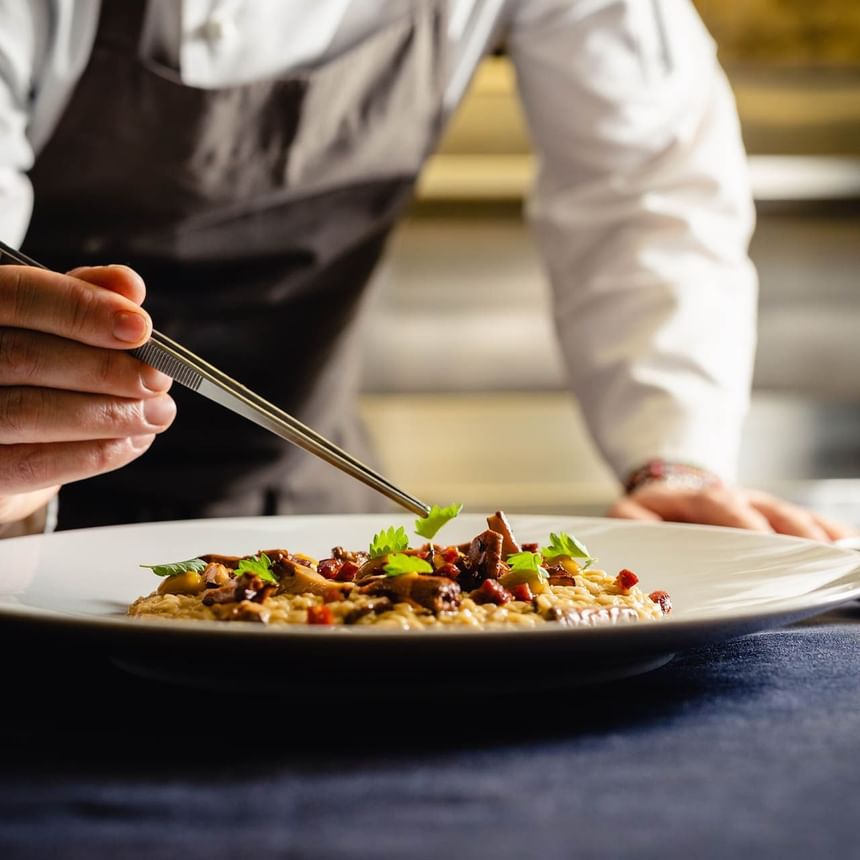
{"type": "Point", "coordinates": [153, 355]}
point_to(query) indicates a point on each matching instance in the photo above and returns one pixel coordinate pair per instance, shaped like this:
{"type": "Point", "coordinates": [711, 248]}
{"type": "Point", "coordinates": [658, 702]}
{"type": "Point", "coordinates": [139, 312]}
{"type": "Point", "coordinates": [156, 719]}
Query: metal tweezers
{"type": "Point", "coordinates": [193, 372]}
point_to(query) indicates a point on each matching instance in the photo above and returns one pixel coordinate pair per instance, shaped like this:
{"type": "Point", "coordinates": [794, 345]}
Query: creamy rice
{"type": "Point", "coordinates": [595, 599]}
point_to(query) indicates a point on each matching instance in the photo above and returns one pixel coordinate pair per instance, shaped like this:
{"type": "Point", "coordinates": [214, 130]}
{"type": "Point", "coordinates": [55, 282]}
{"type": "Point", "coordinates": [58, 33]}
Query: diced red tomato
{"type": "Point", "coordinates": [450, 554]}
{"type": "Point", "coordinates": [320, 615]}
{"type": "Point", "coordinates": [626, 579]}
{"type": "Point", "coordinates": [521, 591]}
{"type": "Point", "coordinates": [329, 568]}
{"type": "Point", "coordinates": [496, 592]}
{"type": "Point", "coordinates": [530, 547]}
{"type": "Point", "coordinates": [347, 572]}
{"type": "Point", "coordinates": [332, 595]}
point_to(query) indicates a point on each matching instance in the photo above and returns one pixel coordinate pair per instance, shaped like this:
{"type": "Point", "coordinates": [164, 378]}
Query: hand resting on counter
{"type": "Point", "coordinates": [719, 505]}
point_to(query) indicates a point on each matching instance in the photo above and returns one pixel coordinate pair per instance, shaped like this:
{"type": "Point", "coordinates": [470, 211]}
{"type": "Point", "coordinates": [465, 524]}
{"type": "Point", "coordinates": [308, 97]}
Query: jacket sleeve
{"type": "Point", "coordinates": [643, 213]}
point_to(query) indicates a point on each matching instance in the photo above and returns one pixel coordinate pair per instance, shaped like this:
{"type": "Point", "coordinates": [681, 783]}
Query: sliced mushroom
{"type": "Point", "coordinates": [216, 574]}
{"type": "Point", "coordinates": [485, 555]}
{"type": "Point", "coordinates": [371, 567]}
{"type": "Point", "coordinates": [499, 523]}
{"type": "Point", "coordinates": [295, 578]}
{"type": "Point", "coordinates": [436, 593]}
{"type": "Point", "coordinates": [342, 554]}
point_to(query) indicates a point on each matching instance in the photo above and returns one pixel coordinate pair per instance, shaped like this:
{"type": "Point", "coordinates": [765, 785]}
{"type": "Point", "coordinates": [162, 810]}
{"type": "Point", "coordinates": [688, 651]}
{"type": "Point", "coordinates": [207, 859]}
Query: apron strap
{"type": "Point", "coordinates": [121, 24]}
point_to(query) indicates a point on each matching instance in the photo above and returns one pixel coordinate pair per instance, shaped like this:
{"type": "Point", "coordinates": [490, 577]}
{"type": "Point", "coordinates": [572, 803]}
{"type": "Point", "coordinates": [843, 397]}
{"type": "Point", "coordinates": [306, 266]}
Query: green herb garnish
{"type": "Point", "coordinates": [388, 541]}
{"type": "Point", "coordinates": [174, 568]}
{"type": "Point", "coordinates": [563, 545]}
{"type": "Point", "coordinates": [398, 564]}
{"type": "Point", "coordinates": [526, 562]}
{"type": "Point", "coordinates": [429, 525]}
{"type": "Point", "coordinates": [260, 565]}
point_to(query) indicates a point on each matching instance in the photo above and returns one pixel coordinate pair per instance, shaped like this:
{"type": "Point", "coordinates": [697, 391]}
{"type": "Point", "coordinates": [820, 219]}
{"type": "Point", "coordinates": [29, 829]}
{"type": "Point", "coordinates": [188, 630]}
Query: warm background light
{"type": "Point", "coordinates": [474, 407]}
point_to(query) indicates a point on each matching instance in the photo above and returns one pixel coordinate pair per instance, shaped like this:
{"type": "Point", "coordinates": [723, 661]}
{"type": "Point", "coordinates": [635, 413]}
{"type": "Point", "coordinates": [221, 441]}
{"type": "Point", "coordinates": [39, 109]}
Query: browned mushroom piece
{"type": "Point", "coordinates": [227, 593]}
{"type": "Point", "coordinates": [245, 587]}
{"type": "Point", "coordinates": [484, 556]}
{"type": "Point", "coordinates": [374, 606]}
{"type": "Point", "coordinates": [499, 523]}
{"type": "Point", "coordinates": [276, 555]}
{"type": "Point", "coordinates": [371, 567]}
{"type": "Point", "coordinates": [436, 593]}
{"type": "Point", "coordinates": [296, 578]}
{"type": "Point", "coordinates": [215, 575]}
{"type": "Point", "coordinates": [357, 557]}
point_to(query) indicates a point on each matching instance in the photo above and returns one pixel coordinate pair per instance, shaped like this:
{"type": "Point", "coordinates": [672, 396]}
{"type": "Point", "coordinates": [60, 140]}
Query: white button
{"type": "Point", "coordinates": [219, 28]}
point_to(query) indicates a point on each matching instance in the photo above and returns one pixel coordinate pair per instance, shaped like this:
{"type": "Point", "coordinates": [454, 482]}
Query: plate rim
{"type": "Point", "coordinates": [774, 613]}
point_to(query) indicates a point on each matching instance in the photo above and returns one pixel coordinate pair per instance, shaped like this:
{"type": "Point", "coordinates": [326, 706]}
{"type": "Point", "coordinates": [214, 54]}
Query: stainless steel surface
{"type": "Point", "coordinates": [530, 452]}
{"type": "Point", "coordinates": [466, 309]}
{"type": "Point", "coordinates": [193, 372]}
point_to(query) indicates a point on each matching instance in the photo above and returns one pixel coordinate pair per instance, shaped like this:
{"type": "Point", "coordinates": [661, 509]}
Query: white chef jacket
{"type": "Point", "coordinates": [641, 206]}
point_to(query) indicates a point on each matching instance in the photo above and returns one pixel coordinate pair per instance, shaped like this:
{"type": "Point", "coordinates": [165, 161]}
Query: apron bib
{"type": "Point", "coordinates": [256, 214]}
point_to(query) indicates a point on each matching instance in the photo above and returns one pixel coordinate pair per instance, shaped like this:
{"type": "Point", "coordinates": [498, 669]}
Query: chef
{"type": "Point", "coordinates": [244, 162]}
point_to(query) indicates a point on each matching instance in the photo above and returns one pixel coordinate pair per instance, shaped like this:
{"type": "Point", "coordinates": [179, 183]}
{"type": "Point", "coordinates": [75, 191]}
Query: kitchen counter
{"type": "Point", "coordinates": [530, 452]}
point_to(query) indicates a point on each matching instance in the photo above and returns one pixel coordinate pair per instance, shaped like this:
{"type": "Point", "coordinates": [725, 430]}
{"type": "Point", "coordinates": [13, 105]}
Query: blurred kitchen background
{"type": "Point", "coordinates": [460, 415]}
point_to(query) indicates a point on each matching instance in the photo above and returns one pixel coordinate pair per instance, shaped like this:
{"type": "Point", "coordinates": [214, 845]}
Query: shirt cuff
{"type": "Point", "coordinates": [41, 521]}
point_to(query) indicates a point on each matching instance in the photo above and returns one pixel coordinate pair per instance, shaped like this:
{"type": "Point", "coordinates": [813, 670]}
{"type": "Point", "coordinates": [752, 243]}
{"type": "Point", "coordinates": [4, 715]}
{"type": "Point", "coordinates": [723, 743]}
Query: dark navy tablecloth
{"type": "Point", "coordinates": [750, 748]}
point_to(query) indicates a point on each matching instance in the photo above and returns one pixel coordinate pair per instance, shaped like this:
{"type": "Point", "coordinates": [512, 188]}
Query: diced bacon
{"type": "Point", "coordinates": [521, 591]}
{"type": "Point", "coordinates": [347, 572]}
{"type": "Point", "coordinates": [495, 592]}
{"type": "Point", "coordinates": [329, 568]}
{"type": "Point", "coordinates": [449, 570]}
{"type": "Point", "coordinates": [625, 580]}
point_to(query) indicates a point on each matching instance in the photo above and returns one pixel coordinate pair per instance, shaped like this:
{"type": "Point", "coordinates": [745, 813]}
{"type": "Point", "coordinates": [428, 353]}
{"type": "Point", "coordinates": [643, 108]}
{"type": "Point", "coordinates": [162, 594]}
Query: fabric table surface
{"type": "Point", "coordinates": [746, 748]}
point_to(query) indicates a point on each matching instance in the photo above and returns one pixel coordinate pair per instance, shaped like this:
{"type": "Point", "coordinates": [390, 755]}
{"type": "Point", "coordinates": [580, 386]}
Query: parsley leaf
{"type": "Point", "coordinates": [398, 564]}
{"type": "Point", "coordinates": [569, 547]}
{"type": "Point", "coordinates": [174, 568]}
{"type": "Point", "coordinates": [429, 525]}
{"type": "Point", "coordinates": [526, 562]}
{"type": "Point", "coordinates": [388, 541]}
{"type": "Point", "coordinates": [260, 565]}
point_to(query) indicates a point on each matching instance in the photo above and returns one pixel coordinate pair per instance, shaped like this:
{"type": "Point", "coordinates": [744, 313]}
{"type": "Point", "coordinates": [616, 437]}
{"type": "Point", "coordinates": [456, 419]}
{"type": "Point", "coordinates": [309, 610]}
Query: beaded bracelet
{"type": "Point", "coordinates": [681, 475]}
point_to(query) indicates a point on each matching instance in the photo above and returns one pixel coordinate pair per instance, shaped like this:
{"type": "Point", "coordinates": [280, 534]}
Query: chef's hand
{"type": "Point", "coordinates": [73, 404]}
{"type": "Point", "coordinates": [726, 506]}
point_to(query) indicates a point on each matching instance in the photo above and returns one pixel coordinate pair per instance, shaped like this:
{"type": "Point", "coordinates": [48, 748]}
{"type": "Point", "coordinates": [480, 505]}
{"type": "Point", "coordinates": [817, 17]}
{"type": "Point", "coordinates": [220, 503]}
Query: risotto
{"type": "Point", "coordinates": [491, 582]}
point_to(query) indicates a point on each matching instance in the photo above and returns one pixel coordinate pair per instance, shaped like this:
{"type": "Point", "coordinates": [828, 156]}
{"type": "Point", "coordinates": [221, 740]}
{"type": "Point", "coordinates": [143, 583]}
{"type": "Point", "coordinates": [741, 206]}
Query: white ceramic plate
{"type": "Point", "coordinates": [723, 583]}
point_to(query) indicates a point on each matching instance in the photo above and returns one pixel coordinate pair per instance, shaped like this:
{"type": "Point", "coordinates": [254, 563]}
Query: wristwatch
{"type": "Point", "coordinates": [684, 476]}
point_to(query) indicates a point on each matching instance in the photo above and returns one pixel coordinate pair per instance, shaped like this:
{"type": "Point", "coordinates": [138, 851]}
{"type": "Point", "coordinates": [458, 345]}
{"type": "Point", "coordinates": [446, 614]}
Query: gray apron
{"type": "Point", "coordinates": [256, 214]}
